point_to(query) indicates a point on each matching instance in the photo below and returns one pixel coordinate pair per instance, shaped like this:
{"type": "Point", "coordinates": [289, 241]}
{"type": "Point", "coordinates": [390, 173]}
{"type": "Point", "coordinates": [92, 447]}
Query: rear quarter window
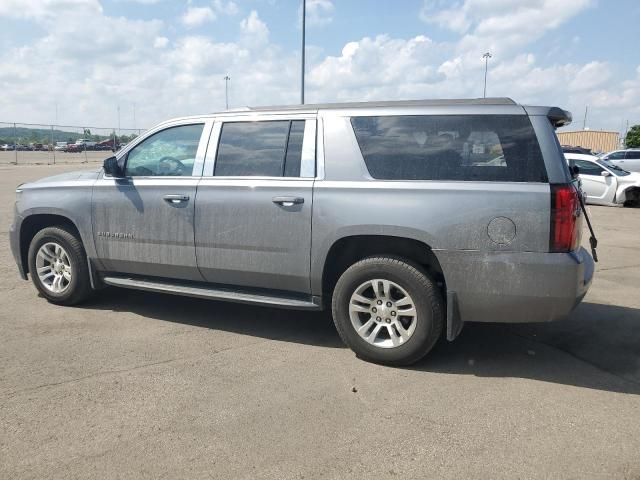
{"type": "Point", "coordinates": [501, 148]}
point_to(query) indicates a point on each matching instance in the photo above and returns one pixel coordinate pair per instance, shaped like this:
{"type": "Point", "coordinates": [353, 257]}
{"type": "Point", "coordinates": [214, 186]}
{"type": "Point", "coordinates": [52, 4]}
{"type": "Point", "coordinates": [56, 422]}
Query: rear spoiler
{"type": "Point", "coordinates": [557, 116]}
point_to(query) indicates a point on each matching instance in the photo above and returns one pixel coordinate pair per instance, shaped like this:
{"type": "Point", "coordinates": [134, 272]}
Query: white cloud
{"type": "Point", "coordinates": [196, 16]}
{"type": "Point", "coordinates": [94, 62]}
{"type": "Point", "coordinates": [254, 31]}
{"type": "Point", "coordinates": [225, 7]}
{"type": "Point", "coordinates": [319, 12]}
{"type": "Point", "coordinates": [47, 10]}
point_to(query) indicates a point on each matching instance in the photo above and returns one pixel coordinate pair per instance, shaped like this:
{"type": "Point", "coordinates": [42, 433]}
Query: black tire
{"type": "Point", "coordinates": [79, 288]}
{"type": "Point", "coordinates": [427, 301]}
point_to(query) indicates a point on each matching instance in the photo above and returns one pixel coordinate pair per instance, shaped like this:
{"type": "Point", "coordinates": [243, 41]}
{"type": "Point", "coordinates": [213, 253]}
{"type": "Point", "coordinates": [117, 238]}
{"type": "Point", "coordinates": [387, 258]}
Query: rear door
{"type": "Point", "coordinates": [143, 222]}
{"type": "Point", "coordinates": [253, 205]}
{"type": "Point", "coordinates": [631, 161]}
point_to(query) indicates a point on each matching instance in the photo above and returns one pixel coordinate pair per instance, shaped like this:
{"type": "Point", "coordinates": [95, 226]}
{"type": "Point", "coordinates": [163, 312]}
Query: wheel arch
{"type": "Point", "coordinates": [32, 224]}
{"type": "Point", "coordinates": [350, 249]}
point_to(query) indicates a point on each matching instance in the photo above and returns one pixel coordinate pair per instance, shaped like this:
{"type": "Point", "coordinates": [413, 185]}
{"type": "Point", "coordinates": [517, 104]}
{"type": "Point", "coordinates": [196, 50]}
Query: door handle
{"type": "Point", "coordinates": [288, 201]}
{"type": "Point", "coordinates": [175, 198]}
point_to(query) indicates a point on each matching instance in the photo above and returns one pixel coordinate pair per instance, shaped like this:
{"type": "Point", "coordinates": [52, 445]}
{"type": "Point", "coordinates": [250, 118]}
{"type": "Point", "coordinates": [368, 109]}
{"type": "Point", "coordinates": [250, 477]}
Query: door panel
{"type": "Point", "coordinates": [245, 238]}
{"type": "Point", "coordinates": [138, 231]}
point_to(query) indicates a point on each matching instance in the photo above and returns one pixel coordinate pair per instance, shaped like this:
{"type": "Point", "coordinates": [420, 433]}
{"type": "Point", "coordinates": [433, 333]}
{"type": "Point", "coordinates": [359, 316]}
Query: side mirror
{"type": "Point", "coordinates": [604, 173]}
{"type": "Point", "coordinates": [111, 167]}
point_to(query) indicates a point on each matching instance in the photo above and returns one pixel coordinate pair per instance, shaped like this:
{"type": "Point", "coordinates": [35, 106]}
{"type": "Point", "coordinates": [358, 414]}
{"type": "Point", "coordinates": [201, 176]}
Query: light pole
{"type": "Point", "coordinates": [226, 91]}
{"type": "Point", "coordinates": [486, 57]}
{"type": "Point", "coordinates": [304, 16]}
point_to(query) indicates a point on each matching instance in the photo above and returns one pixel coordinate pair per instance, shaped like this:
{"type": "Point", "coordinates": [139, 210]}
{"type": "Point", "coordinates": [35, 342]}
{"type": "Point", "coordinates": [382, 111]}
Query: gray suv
{"type": "Point", "coordinates": [405, 219]}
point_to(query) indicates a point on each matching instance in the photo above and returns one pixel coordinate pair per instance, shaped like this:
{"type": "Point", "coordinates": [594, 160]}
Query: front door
{"type": "Point", "coordinates": [143, 222]}
{"type": "Point", "coordinates": [253, 206]}
{"type": "Point", "coordinates": [598, 188]}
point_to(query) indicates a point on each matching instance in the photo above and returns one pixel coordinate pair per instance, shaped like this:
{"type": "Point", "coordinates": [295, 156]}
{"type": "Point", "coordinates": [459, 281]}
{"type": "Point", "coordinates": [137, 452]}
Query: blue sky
{"type": "Point", "coordinates": [168, 57]}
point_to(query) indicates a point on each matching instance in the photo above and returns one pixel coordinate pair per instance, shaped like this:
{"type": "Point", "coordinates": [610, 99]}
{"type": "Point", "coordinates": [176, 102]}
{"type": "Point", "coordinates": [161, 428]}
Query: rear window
{"type": "Point", "coordinates": [500, 148]}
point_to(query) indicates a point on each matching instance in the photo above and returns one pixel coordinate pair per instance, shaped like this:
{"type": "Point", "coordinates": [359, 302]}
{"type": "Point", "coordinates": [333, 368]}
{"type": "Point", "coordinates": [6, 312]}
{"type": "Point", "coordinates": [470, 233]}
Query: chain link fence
{"type": "Point", "coordinates": [33, 144]}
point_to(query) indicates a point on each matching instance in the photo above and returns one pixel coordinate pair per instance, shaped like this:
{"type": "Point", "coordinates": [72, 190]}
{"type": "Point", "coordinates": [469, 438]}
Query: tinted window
{"type": "Point", "coordinates": [616, 156]}
{"type": "Point", "coordinates": [633, 154]}
{"type": "Point", "coordinates": [169, 152]}
{"type": "Point", "coordinates": [588, 168]}
{"type": "Point", "coordinates": [450, 147]}
{"type": "Point", "coordinates": [266, 149]}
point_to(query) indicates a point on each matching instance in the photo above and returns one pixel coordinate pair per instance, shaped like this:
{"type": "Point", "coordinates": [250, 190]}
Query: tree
{"type": "Point", "coordinates": [633, 137]}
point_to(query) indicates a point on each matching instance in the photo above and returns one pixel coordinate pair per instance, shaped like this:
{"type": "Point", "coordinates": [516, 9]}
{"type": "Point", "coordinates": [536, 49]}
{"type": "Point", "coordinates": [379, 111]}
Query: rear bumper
{"type": "Point", "coordinates": [516, 287]}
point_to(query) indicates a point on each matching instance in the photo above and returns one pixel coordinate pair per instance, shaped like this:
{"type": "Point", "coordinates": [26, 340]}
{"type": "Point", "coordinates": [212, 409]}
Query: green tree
{"type": "Point", "coordinates": [633, 137]}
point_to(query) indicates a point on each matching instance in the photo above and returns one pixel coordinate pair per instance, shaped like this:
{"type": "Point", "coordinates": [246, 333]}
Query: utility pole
{"type": "Point", "coordinates": [486, 57]}
{"type": "Point", "coordinates": [226, 91]}
{"type": "Point", "coordinates": [584, 121]}
{"type": "Point", "coordinates": [304, 17]}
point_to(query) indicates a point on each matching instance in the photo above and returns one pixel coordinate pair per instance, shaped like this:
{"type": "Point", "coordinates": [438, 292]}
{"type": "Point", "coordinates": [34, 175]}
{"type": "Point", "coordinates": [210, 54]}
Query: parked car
{"type": "Point", "coordinates": [60, 147]}
{"type": "Point", "coordinates": [75, 148]}
{"type": "Point", "coordinates": [393, 215]}
{"type": "Point", "coordinates": [581, 150]}
{"type": "Point", "coordinates": [85, 144]}
{"type": "Point", "coordinates": [604, 183]}
{"type": "Point", "coordinates": [8, 147]}
{"type": "Point", "coordinates": [626, 159]}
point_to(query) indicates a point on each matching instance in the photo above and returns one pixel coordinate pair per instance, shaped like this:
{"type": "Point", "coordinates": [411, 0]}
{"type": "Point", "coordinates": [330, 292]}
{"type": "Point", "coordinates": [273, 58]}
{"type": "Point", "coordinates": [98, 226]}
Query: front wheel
{"type": "Point", "coordinates": [58, 266]}
{"type": "Point", "coordinates": [388, 311]}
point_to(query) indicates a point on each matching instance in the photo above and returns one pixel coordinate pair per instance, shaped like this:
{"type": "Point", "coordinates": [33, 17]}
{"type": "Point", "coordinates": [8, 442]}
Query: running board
{"type": "Point", "coordinates": [213, 293]}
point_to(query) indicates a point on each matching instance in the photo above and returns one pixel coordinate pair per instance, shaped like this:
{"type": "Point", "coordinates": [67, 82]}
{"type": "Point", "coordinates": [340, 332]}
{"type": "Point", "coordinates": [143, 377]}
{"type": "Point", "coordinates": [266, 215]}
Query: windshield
{"type": "Point", "coordinates": [620, 172]}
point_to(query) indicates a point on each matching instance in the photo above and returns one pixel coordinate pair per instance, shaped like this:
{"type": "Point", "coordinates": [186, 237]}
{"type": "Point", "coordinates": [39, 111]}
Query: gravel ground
{"type": "Point", "coordinates": [140, 385]}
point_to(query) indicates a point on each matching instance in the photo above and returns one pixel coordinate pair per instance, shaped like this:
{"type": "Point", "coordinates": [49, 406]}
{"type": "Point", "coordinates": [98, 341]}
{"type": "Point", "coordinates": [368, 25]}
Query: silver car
{"type": "Point", "coordinates": [405, 219]}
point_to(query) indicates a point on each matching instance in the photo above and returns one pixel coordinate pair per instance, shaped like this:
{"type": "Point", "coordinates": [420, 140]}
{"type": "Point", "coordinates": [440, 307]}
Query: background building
{"type": "Point", "coordinates": [597, 141]}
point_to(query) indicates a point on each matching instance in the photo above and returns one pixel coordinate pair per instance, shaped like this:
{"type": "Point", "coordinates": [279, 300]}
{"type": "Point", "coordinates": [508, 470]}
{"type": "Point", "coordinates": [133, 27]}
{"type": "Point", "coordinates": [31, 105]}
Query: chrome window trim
{"type": "Point", "coordinates": [320, 149]}
{"type": "Point", "coordinates": [308, 154]}
{"type": "Point", "coordinates": [308, 159]}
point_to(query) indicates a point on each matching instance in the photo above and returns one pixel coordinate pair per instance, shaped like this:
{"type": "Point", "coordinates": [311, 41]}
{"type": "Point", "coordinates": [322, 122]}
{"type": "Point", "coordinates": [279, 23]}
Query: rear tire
{"type": "Point", "coordinates": [388, 311]}
{"type": "Point", "coordinates": [58, 266]}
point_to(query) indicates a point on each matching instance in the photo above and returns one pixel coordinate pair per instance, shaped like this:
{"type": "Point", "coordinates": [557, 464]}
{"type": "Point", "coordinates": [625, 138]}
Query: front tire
{"type": "Point", "coordinates": [58, 266]}
{"type": "Point", "coordinates": [388, 311]}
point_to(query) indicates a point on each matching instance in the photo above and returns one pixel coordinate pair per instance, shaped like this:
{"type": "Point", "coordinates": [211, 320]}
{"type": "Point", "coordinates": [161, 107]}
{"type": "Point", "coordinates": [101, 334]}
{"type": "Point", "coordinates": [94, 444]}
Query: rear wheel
{"type": "Point", "coordinates": [388, 311]}
{"type": "Point", "coordinates": [58, 266]}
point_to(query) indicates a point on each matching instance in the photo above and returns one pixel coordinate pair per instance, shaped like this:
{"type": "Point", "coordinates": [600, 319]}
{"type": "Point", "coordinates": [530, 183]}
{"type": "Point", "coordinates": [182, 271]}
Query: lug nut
{"type": "Point", "coordinates": [378, 318]}
{"type": "Point", "coordinates": [388, 320]}
{"type": "Point", "coordinates": [389, 304]}
{"type": "Point", "coordinates": [393, 314]}
{"type": "Point", "coordinates": [374, 309]}
{"type": "Point", "coordinates": [379, 302]}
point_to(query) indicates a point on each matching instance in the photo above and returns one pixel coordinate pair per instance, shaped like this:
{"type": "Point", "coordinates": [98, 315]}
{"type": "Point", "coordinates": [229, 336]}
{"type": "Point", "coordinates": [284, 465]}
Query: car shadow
{"type": "Point", "coordinates": [310, 328]}
{"type": "Point", "coordinates": [598, 347]}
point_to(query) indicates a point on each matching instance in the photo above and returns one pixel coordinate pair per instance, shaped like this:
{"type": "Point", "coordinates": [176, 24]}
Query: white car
{"type": "Point", "coordinates": [604, 183]}
{"type": "Point", "coordinates": [627, 159]}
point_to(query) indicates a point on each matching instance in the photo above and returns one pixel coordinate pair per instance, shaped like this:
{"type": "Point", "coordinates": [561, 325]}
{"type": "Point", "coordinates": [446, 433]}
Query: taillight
{"type": "Point", "coordinates": [565, 231]}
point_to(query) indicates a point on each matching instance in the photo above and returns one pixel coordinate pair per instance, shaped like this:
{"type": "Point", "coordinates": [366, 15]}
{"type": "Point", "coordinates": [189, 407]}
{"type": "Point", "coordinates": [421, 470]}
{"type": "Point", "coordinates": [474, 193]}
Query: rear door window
{"type": "Point", "coordinates": [450, 147]}
{"type": "Point", "coordinates": [633, 155]}
{"type": "Point", "coordinates": [263, 149]}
